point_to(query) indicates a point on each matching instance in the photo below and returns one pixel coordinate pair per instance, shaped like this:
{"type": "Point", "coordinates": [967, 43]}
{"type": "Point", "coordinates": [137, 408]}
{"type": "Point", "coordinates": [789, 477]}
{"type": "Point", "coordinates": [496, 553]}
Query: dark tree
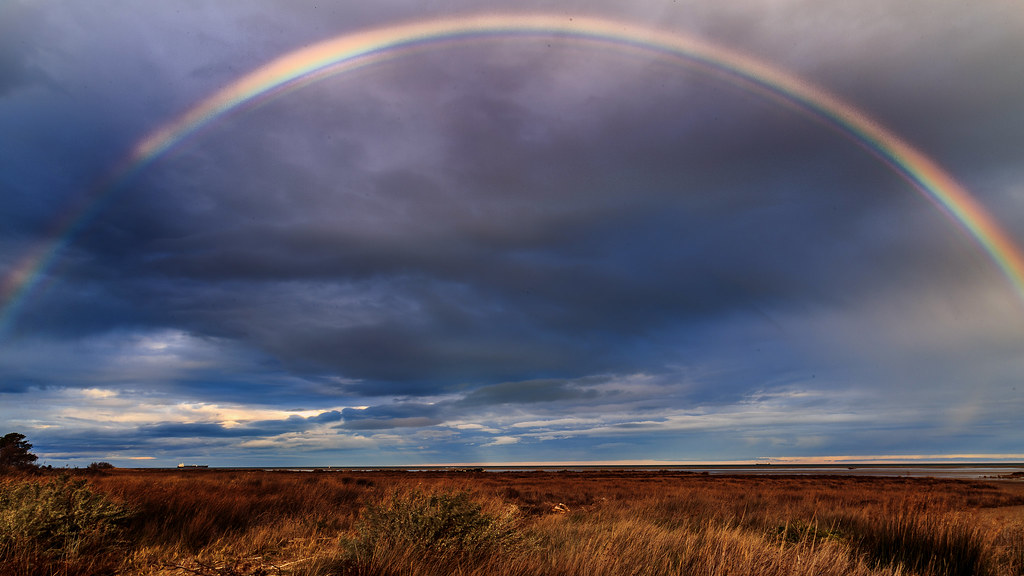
{"type": "Point", "coordinates": [14, 453]}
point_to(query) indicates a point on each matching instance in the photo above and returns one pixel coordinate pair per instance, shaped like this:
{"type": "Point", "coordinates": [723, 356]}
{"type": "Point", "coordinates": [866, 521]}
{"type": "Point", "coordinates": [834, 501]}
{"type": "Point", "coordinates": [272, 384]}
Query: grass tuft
{"type": "Point", "coordinates": [447, 527]}
{"type": "Point", "coordinates": [923, 542]}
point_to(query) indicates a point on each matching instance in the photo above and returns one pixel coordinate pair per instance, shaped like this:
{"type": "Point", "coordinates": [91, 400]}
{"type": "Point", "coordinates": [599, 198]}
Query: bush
{"type": "Point", "coordinates": [442, 526]}
{"type": "Point", "coordinates": [60, 526]}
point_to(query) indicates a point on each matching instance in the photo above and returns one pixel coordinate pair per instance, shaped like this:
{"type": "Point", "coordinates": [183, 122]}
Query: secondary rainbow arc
{"type": "Point", "coordinates": [363, 48]}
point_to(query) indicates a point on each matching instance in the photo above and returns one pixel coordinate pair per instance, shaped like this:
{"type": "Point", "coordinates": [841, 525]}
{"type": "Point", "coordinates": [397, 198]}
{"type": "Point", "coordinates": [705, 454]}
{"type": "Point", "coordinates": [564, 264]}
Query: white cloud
{"type": "Point", "coordinates": [309, 441]}
{"type": "Point", "coordinates": [503, 441]}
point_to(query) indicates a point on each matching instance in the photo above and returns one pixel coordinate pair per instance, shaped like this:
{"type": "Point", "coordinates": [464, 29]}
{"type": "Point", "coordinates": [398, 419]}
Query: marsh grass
{"type": "Point", "coordinates": [254, 523]}
{"type": "Point", "coordinates": [924, 542]}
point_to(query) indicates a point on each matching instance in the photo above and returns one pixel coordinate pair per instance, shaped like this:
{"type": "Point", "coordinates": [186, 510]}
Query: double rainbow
{"type": "Point", "coordinates": [350, 51]}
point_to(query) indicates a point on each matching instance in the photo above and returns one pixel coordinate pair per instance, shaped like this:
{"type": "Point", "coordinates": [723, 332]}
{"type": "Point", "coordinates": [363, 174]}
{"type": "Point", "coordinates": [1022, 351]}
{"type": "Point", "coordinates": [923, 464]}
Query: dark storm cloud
{"type": "Point", "coordinates": [91, 446]}
{"type": "Point", "coordinates": [194, 430]}
{"type": "Point", "coordinates": [526, 392]}
{"type": "Point", "coordinates": [447, 271]}
{"type": "Point", "coordinates": [472, 281]}
{"type": "Point", "coordinates": [260, 428]}
{"type": "Point", "coordinates": [13, 386]}
{"type": "Point", "coordinates": [324, 417]}
{"type": "Point", "coordinates": [553, 394]}
{"type": "Point", "coordinates": [383, 417]}
{"type": "Point", "coordinates": [590, 399]}
{"type": "Point", "coordinates": [389, 423]}
{"type": "Point", "coordinates": [517, 226]}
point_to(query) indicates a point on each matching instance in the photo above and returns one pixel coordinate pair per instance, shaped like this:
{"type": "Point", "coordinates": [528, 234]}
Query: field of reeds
{"type": "Point", "coordinates": [261, 523]}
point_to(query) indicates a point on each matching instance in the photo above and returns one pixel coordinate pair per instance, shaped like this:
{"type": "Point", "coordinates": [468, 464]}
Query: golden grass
{"type": "Point", "coordinates": [255, 523]}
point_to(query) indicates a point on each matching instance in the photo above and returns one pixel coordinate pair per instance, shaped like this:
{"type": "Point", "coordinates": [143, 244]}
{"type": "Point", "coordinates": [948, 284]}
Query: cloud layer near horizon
{"type": "Point", "coordinates": [518, 249]}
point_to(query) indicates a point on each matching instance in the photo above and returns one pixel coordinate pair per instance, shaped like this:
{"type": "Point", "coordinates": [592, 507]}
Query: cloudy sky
{"type": "Point", "coordinates": [505, 249]}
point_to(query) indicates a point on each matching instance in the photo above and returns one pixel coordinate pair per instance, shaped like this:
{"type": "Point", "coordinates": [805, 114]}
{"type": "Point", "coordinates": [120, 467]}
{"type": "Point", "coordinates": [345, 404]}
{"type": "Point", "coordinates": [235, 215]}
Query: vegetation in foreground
{"type": "Point", "coordinates": [256, 523]}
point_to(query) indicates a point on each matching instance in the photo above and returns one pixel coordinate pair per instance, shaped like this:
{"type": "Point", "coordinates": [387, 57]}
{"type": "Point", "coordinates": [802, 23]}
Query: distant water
{"type": "Point", "coordinates": [966, 472]}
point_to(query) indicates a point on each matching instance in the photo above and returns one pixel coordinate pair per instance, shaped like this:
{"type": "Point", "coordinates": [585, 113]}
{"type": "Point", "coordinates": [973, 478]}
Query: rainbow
{"type": "Point", "coordinates": [350, 51]}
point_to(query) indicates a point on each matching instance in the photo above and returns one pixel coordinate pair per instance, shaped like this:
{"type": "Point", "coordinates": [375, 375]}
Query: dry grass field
{"type": "Point", "coordinates": [261, 523]}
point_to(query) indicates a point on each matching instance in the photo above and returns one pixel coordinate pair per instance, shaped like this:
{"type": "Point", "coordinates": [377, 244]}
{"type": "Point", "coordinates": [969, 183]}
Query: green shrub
{"type": "Point", "coordinates": [442, 526]}
{"type": "Point", "coordinates": [60, 526]}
